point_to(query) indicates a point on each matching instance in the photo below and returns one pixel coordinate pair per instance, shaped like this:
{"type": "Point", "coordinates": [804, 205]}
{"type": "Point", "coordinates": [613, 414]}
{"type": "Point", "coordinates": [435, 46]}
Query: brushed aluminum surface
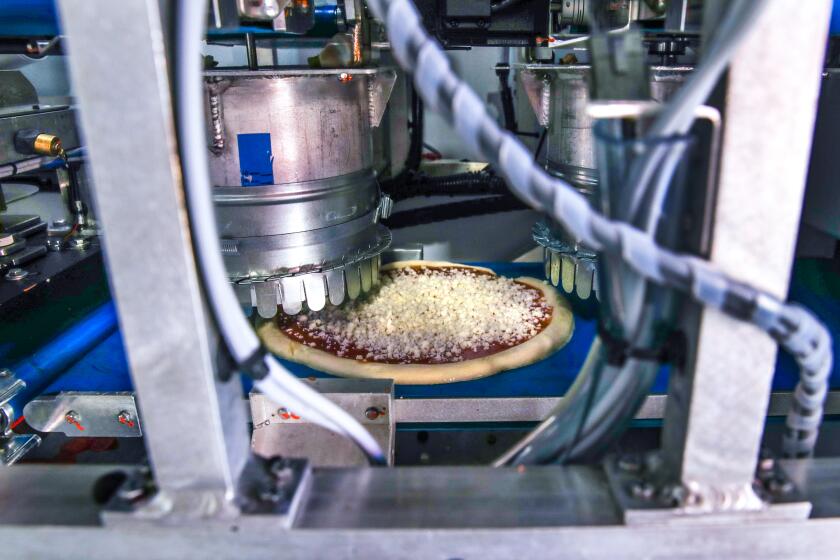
{"type": "Point", "coordinates": [559, 95]}
{"type": "Point", "coordinates": [319, 120]}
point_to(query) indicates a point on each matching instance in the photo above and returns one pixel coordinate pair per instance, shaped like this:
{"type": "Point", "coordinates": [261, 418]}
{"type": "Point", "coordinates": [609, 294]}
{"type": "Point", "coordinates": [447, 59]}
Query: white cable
{"type": "Point", "coordinates": [240, 338]}
{"type": "Point", "coordinates": [339, 418]}
{"type": "Point", "coordinates": [280, 396]}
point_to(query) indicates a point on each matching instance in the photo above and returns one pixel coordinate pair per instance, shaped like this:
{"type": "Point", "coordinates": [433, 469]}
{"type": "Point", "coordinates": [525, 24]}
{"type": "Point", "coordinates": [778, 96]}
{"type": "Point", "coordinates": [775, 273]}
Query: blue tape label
{"type": "Point", "coordinates": [255, 159]}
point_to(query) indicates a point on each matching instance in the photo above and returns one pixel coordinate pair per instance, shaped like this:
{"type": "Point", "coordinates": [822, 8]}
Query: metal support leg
{"type": "Point", "coordinates": [717, 407]}
{"type": "Point", "coordinates": [195, 426]}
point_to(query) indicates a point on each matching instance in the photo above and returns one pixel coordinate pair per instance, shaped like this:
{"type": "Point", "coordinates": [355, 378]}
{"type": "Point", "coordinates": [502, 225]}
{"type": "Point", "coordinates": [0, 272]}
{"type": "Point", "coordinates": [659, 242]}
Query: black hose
{"type": "Point", "coordinates": [453, 211]}
{"type": "Point", "coordinates": [506, 94]}
{"type": "Point", "coordinates": [459, 184]}
{"type": "Point", "coordinates": [415, 149]}
{"type": "Point", "coordinates": [540, 144]}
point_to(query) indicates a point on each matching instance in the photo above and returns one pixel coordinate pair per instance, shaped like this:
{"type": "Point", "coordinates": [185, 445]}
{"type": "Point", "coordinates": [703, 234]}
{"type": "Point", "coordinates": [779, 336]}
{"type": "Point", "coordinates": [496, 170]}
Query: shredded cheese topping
{"type": "Point", "coordinates": [431, 315]}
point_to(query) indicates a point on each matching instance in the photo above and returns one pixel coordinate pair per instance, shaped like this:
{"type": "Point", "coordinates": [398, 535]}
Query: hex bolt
{"type": "Point", "coordinates": [55, 244]}
{"type": "Point", "coordinates": [642, 490]}
{"type": "Point", "coordinates": [16, 274]}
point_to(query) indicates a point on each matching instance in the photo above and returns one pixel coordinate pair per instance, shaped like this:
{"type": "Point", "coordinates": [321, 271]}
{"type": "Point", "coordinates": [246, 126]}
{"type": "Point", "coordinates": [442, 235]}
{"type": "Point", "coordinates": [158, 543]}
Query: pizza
{"type": "Point", "coordinates": [428, 323]}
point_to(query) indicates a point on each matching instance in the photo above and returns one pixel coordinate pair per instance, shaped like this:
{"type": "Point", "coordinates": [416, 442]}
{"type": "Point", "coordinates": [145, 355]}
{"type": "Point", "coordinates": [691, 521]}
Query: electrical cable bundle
{"type": "Point", "coordinates": [792, 327]}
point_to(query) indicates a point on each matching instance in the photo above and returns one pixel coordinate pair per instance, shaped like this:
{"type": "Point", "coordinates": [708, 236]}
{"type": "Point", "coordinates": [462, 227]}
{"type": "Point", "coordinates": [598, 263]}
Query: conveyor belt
{"type": "Point", "coordinates": [105, 369]}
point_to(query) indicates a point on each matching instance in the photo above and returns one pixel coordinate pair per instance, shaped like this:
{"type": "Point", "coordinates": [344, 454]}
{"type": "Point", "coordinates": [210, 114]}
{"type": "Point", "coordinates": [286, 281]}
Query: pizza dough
{"type": "Point", "coordinates": [454, 322]}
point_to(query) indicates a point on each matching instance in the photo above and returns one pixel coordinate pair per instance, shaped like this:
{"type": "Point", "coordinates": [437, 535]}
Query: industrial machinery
{"type": "Point", "coordinates": [176, 175]}
{"type": "Point", "coordinates": [560, 97]}
{"type": "Point", "coordinates": [298, 225]}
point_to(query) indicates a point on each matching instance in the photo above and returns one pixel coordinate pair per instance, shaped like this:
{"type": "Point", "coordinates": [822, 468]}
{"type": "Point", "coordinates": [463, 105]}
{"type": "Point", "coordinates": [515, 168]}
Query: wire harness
{"type": "Point", "coordinates": [794, 328]}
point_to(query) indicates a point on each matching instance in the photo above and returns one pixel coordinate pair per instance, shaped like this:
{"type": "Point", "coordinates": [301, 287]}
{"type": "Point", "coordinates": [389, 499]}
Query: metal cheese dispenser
{"type": "Point", "coordinates": [297, 201]}
{"type": "Point", "coordinates": [559, 95]}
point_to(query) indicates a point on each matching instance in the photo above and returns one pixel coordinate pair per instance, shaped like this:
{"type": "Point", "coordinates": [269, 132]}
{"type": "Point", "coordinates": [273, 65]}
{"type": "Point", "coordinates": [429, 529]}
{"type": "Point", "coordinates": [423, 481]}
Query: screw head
{"type": "Point", "coordinates": [372, 413]}
{"type": "Point", "coordinates": [79, 243]}
{"type": "Point", "coordinates": [60, 222]}
{"type": "Point", "coordinates": [16, 274]}
{"type": "Point", "coordinates": [55, 243]}
{"type": "Point", "coordinates": [71, 416]}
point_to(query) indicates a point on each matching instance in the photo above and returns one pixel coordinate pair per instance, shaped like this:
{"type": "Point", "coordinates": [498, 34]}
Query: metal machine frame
{"type": "Point", "coordinates": [195, 425]}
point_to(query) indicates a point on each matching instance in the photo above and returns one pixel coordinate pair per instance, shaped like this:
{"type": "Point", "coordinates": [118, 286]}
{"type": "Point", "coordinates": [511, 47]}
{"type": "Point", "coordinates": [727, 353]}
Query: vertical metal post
{"type": "Point", "coordinates": [676, 16]}
{"type": "Point", "coordinates": [195, 426]}
{"type": "Point", "coordinates": [716, 409]}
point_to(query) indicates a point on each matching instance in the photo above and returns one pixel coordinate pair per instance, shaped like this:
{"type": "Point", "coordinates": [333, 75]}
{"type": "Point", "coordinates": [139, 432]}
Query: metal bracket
{"type": "Point", "coordinates": [85, 414]}
{"type": "Point", "coordinates": [9, 386]}
{"type": "Point", "coordinates": [271, 493]}
{"type": "Point", "coordinates": [646, 496]}
{"type": "Point", "coordinates": [380, 86]}
{"type": "Point", "coordinates": [215, 113]}
{"type": "Point", "coordinates": [12, 446]}
{"type": "Point", "coordinates": [280, 431]}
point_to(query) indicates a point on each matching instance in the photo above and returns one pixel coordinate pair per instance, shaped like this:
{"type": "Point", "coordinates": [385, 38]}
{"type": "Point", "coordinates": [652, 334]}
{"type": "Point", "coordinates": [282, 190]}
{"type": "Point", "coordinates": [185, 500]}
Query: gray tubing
{"type": "Point", "coordinates": [798, 331]}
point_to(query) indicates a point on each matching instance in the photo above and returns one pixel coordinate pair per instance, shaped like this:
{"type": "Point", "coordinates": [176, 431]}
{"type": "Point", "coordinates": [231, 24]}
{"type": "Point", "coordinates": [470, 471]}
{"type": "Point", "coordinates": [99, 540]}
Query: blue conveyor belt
{"type": "Point", "coordinates": [105, 369]}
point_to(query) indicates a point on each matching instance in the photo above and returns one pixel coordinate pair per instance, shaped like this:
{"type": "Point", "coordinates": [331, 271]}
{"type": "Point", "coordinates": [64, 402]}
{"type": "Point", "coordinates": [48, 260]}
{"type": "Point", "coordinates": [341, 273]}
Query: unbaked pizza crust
{"type": "Point", "coordinates": [553, 337]}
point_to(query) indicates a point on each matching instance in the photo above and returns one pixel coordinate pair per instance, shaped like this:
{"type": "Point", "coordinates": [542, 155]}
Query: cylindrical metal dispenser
{"type": "Point", "coordinates": [559, 94]}
{"type": "Point", "coordinates": [297, 201]}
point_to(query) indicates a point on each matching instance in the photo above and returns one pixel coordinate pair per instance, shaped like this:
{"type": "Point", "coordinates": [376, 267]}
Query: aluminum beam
{"type": "Point", "coordinates": [716, 410]}
{"type": "Point", "coordinates": [428, 512]}
{"type": "Point", "coordinates": [195, 426]}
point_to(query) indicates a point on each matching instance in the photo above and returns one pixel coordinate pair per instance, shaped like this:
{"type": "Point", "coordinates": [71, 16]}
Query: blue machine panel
{"type": "Point", "coordinates": [255, 159]}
